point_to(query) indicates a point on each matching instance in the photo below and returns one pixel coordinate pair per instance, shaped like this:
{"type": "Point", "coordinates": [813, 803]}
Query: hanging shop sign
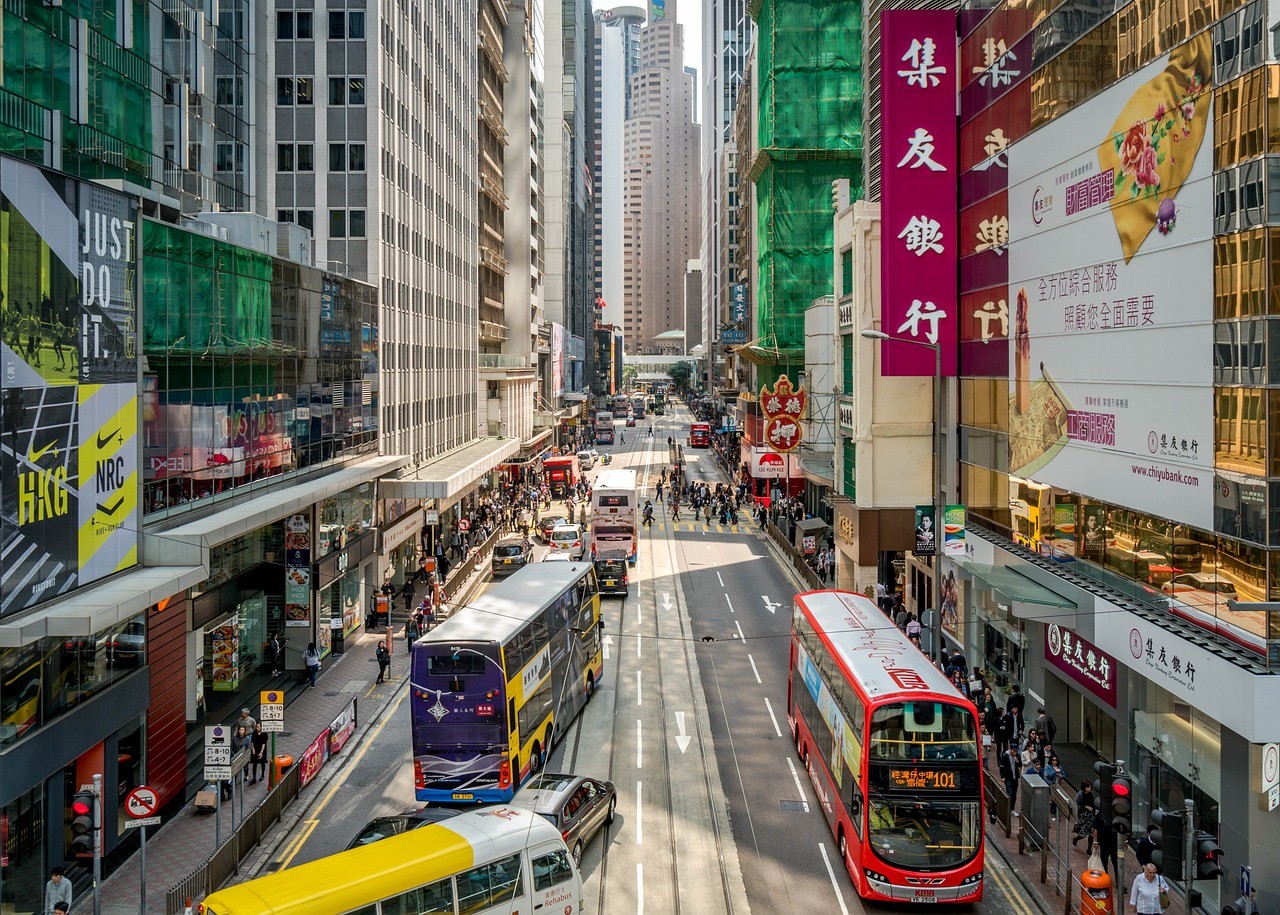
{"type": "Point", "coordinates": [1082, 661]}
{"type": "Point", "coordinates": [783, 408]}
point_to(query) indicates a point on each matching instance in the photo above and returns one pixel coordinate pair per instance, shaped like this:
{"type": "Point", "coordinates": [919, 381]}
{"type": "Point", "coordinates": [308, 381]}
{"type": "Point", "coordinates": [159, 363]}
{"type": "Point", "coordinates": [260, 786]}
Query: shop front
{"type": "Point", "coordinates": [343, 580]}
{"type": "Point", "coordinates": [1080, 690]}
{"type": "Point", "coordinates": [870, 546]}
{"type": "Point", "coordinates": [401, 549]}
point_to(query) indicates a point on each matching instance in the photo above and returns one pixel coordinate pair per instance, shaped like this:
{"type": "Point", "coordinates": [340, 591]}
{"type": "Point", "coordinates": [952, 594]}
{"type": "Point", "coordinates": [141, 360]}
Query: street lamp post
{"type": "Point", "coordinates": [939, 495]}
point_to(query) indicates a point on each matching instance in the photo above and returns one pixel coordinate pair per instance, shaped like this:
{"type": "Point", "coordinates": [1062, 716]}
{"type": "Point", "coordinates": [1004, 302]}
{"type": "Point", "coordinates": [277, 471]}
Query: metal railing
{"type": "Point", "coordinates": [807, 575]}
{"type": "Point", "coordinates": [225, 861]}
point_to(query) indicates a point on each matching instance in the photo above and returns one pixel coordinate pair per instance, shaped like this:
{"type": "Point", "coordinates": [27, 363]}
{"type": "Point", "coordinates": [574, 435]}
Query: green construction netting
{"type": "Point", "coordinates": [810, 74]}
{"type": "Point", "coordinates": [793, 251]}
{"type": "Point", "coordinates": [201, 295]}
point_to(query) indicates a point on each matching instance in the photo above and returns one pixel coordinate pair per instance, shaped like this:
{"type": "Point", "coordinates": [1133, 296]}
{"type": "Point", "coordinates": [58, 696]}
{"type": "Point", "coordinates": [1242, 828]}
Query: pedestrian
{"type": "Point", "coordinates": [384, 661]}
{"type": "Point", "coordinates": [61, 908]}
{"type": "Point", "coordinates": [1247, 904]}
{"type": "Point", "coordinates": [412, 629]}
{"type": "Point", "coordinates": [1003, 732]}
{"type": "Point", "coordinates": [277, 655]}
{"type": "Point", "coordinates": [240, 740]}
{"type": "Point", "coordinates": [1147, 847]}
{"type": "Point", "coordinates": [245, 721]}
{"type": "Point", "coordinates": [57, 891]}
{"type": "Point", "coordinates": [1085, 815]}
{"type": "Point", "coordinates": [1014, 706]}
{"type": "Point", "coordinates": [1108, 844]}
{"type": "Point", "coordinates": [1010, 768]}
{"type": "Point", "coordinates": [258, 755]}
{"type": "Point", "coordinates": [311, 658]}
{"type": "Point", "coordinates": [1149, 892]}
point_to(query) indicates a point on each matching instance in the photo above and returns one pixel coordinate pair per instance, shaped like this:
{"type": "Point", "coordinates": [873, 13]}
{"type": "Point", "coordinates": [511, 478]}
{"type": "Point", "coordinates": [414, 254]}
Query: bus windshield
{"type": "Point", "coordinates": [914, 731]}
{"type": "Point", "coordinates": [924, 834]}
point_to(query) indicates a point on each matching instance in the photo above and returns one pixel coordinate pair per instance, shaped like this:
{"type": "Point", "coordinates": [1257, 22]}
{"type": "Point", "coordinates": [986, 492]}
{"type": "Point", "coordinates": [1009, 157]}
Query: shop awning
{"type": "Point", "coordinates": [448, 476]}
{"type": "Point", "coordinates": [187, 543]}
{"type": "Point", "coordinates": [1015, 586]}
{"type": "Point", "coordinates": [102, 605]}
{"type": "Point", "coordinates": [820, 469]}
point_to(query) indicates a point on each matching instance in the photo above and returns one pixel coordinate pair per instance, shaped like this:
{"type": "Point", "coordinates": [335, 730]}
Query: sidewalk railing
{"type": "Point", "coordinates": [807, 575]}
{"type": "Point", "coordinates": [225, 861]}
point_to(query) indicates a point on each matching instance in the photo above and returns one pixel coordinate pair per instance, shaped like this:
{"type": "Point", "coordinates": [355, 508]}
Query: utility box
{"type": "Point", "coordinates": [1033, 797]}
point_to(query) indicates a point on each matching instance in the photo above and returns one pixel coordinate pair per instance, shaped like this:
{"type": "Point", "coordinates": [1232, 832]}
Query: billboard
{"type": "Point", "coordinates": [1111, 288]}
{"type": "Point", "coordinates": [558, 352]}
{"type": "Point", "coordinates": [68, 383]}
{"type": "Point", "coordinates": [918, 152]}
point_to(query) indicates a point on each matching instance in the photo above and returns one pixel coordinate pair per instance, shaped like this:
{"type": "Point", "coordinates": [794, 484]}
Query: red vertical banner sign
{"type": "Point", "coordinates": [919, 228]}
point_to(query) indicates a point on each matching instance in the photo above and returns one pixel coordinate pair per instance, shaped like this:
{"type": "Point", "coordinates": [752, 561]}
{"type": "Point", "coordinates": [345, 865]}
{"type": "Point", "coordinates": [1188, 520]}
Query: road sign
{"type": "Point", "coordinates": [271, 711]}
{"type": "Point", "coordinates": [148, 821]}
{"type": "Point", "coordinates": [217, 753]}
{"type": "Point", "coordinates": [141, 802]}
{"type": "Point", "coordinates": [1270, 766]}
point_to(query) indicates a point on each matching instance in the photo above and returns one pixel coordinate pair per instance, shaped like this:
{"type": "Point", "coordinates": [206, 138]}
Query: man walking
{"type": "Point", "coordinates": [384, 661]}
{"type": "Point", "coordinates": [57, 892]}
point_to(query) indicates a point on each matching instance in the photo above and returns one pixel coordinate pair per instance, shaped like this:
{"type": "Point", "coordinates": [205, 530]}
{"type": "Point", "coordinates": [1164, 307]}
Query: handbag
{"type": "Point", "coordinates": [1165, 901]}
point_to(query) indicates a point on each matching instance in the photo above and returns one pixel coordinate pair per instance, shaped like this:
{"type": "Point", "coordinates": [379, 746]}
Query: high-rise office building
{"type": "Point", "coordinates": [661, 198]}
{"type": "Point", "coordinates": [726, 31]}
{"type": "Point", "coordinates": [617, 39]}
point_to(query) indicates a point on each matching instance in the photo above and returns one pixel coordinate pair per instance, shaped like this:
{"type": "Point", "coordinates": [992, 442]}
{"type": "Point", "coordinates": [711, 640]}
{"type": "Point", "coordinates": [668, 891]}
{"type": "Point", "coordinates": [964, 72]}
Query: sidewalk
{"type": "Point", "coordinates": [182, 844]}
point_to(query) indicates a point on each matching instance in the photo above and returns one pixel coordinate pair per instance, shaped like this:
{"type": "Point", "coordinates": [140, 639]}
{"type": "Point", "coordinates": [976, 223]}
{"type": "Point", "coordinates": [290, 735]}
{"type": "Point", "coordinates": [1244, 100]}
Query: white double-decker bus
{"type": "Point", "coordinates": [614, 515]}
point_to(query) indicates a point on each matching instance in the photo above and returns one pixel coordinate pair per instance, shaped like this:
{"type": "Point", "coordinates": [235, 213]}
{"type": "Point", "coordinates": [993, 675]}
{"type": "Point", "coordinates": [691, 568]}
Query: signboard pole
{"type": "Point", "coordinates": [97, 844]}
{"type": "Point", "coordinates": [142, 906]}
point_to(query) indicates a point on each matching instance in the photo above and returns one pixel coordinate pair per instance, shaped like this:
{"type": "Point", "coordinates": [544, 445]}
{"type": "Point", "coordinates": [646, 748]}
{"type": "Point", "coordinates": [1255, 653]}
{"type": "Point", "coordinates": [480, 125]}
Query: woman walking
{"type": "Point", "coordinates": [258, 755]}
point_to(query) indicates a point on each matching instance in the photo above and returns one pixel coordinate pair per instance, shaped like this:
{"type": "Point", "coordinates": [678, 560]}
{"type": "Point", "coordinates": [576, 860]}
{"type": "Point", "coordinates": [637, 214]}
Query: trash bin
{"type": "Point", "coordinates": [284, 762]}
{"type": "Point", "coordinates": [1095, 893]}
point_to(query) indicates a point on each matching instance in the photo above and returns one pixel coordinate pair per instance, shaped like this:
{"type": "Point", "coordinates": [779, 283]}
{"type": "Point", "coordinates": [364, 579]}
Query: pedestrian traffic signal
{"type": "Point", "coordinates": [1208, 856]}
{"type": "Point", "coordinates": [83, 813]}
{"type": "Point", "coordinates": [1121, 806]}
{"type": "Point", "coordinates": [1169, 837]}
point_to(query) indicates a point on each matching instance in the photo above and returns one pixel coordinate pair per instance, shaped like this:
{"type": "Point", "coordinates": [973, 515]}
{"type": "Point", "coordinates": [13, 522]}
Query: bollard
{"type": "Point", "coordinates": [1095, 893]}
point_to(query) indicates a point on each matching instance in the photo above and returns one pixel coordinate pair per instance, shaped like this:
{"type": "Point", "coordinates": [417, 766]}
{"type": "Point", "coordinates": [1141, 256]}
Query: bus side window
{"type": "Point", "coordinates": [550, 869]}
{"type": "Point", "coordinates": [489, 884]}
{"type": "Point", "coordinates": [511, 714]}
{"type": "Point", "coordinates": [433, 899]}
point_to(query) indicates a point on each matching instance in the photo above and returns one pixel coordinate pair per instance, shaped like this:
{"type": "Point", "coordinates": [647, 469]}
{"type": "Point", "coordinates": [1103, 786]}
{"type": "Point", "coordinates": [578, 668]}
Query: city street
{"type": "Point", "coordinates": [715, 813]}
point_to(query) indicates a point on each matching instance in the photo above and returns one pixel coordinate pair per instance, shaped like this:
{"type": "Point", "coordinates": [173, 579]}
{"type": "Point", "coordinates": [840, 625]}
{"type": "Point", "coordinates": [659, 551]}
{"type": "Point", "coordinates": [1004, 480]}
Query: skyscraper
{"type": "Point", "coordinates": [661, 188]}
{"type": "Point", "coordinates": [617, 58]}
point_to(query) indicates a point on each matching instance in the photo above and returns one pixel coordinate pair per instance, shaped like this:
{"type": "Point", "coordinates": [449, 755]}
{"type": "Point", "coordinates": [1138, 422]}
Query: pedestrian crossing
{"type": "Point", "coordinates": [664, 526]}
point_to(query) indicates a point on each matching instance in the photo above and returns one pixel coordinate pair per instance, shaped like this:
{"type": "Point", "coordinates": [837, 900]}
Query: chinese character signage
{"type": "Point", "coordinates": [69, 384]}
{"type": "Point", "coordinates": [918, 155]}
{"type": "Point", "coordinates": [739, 302]}
{"type": "Point", "coordinates": [783, 408]}
{"type": "Point", "coordinates": [1081, 661]}
{"type": "Point", "coordinates": [1110, 268]}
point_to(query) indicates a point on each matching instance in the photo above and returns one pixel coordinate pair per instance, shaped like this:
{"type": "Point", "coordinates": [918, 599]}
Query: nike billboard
{"type": "Point", "coordinates": [68, 384]}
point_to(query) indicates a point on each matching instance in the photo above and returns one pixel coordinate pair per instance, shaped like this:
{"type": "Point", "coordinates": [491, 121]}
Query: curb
{"type": "Point", "coordinates": [1030, 891]}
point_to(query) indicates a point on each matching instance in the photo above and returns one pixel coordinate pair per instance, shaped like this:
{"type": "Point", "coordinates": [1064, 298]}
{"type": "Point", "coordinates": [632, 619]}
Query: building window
{"type": "Point", "coordinates": [306, 157]}
{"type": "Point", "coordinates": [284, 157]}
{"type": "Point", "coordinates": [345, 90]}
{"type": "Point", "coordinates": [307, 219]}
{"type": "Point", "coordinates": [284, 215]}
{"type": "Point", "coordinates": [344, 24]}
{"type": "Point", "coordinates": [337, 157]}
{"type": "Point", "coordinates": [230, 157]}
{"type": "Point", "coordinates": [355, 157]}
{"type": "Point", "coordinates": [337, 224]}
{"type": "Point", "coordinates": [229, 91]}
{"type": "Point", "coordinates": [294, 90]}
{"type": "Point", "coordinates": [284, 26]}
{"type": "Point", "coordinates": [290, 25]}
{"type": "Point", "coordinates": [355, 224]}
{"type": "Point", "coordinates": [355, 24]}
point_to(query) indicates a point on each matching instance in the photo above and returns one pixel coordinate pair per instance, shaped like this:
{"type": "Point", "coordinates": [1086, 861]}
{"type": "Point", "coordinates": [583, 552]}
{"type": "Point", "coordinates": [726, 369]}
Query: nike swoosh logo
{"type": "Point", "coordinates": [109, 510]}
{"type": "Point", "coordinates": [105, 440]}
{"type": "Point", "coordinates": [35, 456]}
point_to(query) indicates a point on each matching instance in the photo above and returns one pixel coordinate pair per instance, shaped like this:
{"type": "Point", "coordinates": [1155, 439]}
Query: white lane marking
{"type": "Point", "coordinates": [719, 579]}
{"type": "Point", "coordinates": [754, 669]}
{"type": "Point", "coordinates": [832, 874]}
{"type": "Point", "coordinates": [795, 777]}
{"type": "Point", "coordinates": [639, 646]}
{"type": "Point", "coordinates": [770, 605]}
{"type": "Point", "coordinates": [639, 744]}
{"type": "Point", "coordinates": [682, 739]}
{"type": "Point", "coordinates": [639, 691]}
{"type": "Point", "coordinates": [769, 705]}
{"type": "Point", "coordinates": [666, 601]}
{"type": "Point", "coordinates": [607, 643]}
{"type": "Point", "coordinates": [730, 603]}
{"type": "Point", "coordinates": [740, 635]}
{"type": "Point", "coordinates": [639, 808]}
{"type": "Point", "coordinates": [639, 888]}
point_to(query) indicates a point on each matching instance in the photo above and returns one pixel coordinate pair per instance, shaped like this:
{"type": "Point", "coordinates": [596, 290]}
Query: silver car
{"type": "Point", "coordinates": [579, 807]}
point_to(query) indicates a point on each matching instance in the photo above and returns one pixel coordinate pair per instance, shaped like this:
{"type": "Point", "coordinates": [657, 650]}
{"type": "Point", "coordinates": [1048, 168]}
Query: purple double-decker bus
{"type": "Point", "coordinates": [494, 685]}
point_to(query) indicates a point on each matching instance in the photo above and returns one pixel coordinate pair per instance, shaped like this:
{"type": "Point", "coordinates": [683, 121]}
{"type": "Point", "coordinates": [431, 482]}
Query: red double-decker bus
{"type": "Point", "coordinates": [700, 435]}
{"type": "Point", "coordinates": [892, 750]}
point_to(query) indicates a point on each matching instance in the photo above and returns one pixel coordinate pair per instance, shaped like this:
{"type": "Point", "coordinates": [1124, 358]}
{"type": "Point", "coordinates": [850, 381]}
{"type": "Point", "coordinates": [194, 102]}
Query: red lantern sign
{"type": "Point", "coordinates": [783, 408]}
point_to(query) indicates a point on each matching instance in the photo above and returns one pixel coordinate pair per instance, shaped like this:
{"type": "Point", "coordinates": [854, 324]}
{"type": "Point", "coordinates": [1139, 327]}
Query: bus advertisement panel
{"type": "Point", "coordinates": [700, 435]}
{"type": "Point", "coordinates": [491, 686]}
{"type": "Point", "coordinates": [613, 514]}
{"type": "Point", "coordinates": [892, 750]}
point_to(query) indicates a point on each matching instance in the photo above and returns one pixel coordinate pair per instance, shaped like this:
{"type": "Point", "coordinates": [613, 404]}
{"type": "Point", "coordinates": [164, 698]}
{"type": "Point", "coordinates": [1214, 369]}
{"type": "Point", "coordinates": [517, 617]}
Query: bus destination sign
{"type": "Point", "coordinates": [924, 779]}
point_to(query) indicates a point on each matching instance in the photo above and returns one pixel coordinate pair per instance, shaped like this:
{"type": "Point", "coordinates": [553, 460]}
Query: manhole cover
{"type": "Point", "coordinates": [794, 806]}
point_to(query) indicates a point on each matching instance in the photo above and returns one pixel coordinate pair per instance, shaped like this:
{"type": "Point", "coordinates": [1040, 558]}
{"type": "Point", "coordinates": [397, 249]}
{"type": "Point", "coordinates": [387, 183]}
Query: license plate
{"type": "Point", "coordinates": [609, 582]}
{"type": "Point", "coordinates": [925, 896]}
{"type": "Point", "coordinates": [507, 562]}
{"type": "Point", "coordinates": [463, 797]}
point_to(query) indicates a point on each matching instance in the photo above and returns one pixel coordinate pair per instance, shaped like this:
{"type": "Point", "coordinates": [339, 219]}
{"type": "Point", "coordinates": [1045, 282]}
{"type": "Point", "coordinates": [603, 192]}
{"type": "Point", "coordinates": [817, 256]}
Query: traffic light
{"type": "Point", "coordinates": [1170, 834]}
{"type": "Point", "coordinates": [1208, 856]}
{"type": "Point", "coordinates": [1121, 807]}
{"type": "Point", "coordinates": [83, 813]}
{"type": "Point", "coordinates": [1102, 787]}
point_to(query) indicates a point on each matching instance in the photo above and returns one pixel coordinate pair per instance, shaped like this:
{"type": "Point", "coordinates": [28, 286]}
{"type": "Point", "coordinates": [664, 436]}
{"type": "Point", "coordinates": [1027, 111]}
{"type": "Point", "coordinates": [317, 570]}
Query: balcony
{"type": "Point", "coordinates": [492, 189]}
{"type": "Point", "coordinates": [492, 259]}
{"type": "Point", "coordinates": [492, 334]}
{"type": "Point", "coordinates": [492, 49]}
{"type": "Point", "coordinates": [504, 365]}
{"type": "Point", "coordinates": [492, 118]}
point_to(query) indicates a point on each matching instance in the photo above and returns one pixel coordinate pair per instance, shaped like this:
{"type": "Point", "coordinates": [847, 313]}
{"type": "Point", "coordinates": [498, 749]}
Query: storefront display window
{"type": "Point", "coordinates": [22, 864]}
{"type": "Point", "coordinates": [343, 598]}
{"type": "Point", "coordinates": [343, 518]}
{"type": "Point", "coordinates": [1004, 644]}
{"type": "Point", "coordinates": [234, 646]}
{"type": "Point", "coordinates": [41, 681]}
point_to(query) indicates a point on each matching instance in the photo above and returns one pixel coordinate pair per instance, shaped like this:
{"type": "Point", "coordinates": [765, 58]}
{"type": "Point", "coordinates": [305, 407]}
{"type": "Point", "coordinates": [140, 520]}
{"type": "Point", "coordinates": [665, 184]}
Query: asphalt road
{"type": "Point", "coordinates": [715, 813]}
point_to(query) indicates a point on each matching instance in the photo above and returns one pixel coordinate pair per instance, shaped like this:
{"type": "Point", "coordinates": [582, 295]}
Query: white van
{"type": "Point", "coordinates": [586, 459]}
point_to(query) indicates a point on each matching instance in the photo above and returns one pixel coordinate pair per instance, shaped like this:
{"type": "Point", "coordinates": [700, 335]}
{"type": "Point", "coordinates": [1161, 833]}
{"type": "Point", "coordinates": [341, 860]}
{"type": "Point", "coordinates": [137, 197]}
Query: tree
{"type": "Point", "coordinates": [680, 373]}
{"type": "Point", "coordinates": [630, 375]}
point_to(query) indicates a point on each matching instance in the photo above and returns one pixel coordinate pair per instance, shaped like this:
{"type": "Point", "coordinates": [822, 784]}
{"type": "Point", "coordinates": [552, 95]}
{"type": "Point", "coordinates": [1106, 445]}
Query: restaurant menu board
{"type": "Point", "coordinates": [226, 656]}
{"type": "Point", "coordinates": [297, 571]}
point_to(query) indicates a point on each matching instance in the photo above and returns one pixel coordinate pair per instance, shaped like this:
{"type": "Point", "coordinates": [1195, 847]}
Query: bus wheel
{"type": "Point", "coordinates": [535, 759]}
{"type": "Point", "coordinates": [844, 850]}
{"type": "Point", "coordinates": [591, 686]}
